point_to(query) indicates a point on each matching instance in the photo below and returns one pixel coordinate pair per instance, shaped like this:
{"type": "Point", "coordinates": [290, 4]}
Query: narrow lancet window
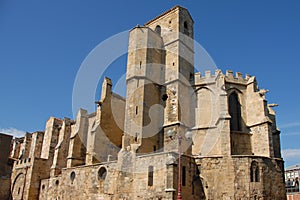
{"type": "Point", "coordinates": [235, 112]}
{"type": "Point", "coordinates": [150, 176]}
{"type": "Point", "coordinates": [186, 29]}
{"type": "Point", "coordinates": [254, 172]}
{"type": "Point", "coordinates": [158, 29]}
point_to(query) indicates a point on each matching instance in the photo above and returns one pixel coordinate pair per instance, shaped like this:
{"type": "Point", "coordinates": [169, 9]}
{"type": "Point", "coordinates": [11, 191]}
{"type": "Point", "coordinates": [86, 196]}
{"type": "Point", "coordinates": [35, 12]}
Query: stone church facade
{"type": "Point", "coordinates": [129, 148]}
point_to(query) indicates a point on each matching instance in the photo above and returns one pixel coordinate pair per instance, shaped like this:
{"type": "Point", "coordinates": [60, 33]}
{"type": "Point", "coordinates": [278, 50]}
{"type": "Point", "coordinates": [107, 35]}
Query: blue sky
{"type": "Point", "coordinates": [43, 43]}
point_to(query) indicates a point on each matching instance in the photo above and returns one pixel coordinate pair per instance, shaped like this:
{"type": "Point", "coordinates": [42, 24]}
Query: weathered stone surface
{"type": "Point", "coordinates": [5, 188]}
{"type": "Point", "coordinates": [128, 148]}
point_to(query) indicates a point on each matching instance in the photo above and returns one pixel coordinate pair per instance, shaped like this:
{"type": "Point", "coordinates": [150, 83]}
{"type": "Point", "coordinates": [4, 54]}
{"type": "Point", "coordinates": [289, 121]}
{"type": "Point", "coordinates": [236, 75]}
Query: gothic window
{"type": "Point", "coordinates": [235, 112]}
{"type": "Point", "coordinates": [158, 29]}
{"type": "Point", "coordinates": [186, 29]}
{"type": "Point", "coordinates": [150, 176]}
{"type": "Point", "coordinates": [254, 172]}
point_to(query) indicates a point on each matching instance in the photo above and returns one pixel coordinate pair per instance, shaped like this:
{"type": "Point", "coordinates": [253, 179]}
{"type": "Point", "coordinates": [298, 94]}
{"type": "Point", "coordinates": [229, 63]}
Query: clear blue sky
{"type": "Point", "coordinates": [43, 43]}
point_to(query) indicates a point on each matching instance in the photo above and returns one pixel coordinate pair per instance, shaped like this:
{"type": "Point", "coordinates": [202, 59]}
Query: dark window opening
{"type": "Point", "coordinates": [164, 97]}
{"type": "Point", "coordinates": [154, 148]}
{"type": "Point", "coordinates": [191, 76]}
{"type": "Point", "coordinates": [193, 188]}
{"type": "Point", "coordinates": [57, 182]}
{"type": "Point", "coordinates": [136, 110]}
{"type": "Point", "coordinates": [185, 25]}
{"type": "Point", "coordinates": [43, 187]}
{"type": "Point", "coordinates": [136, 137]}
{"type": "Point", "coordinates": [72, 176]}
{"type": "Point", "coordinates": [158, 29]}
{"type": "Point", "coordinates": [254, 172]}
{"type": "Point", "coordinates": [140, 64]}
{"type": "Point", "coordinates": [19, 190]}
{"type": "Point", "coordinates": [183, 175]}
{"type": "Point", "coordinates": [102, 173]}
{"type": "Point", "coordinates": [186, 29]}
{"type": "Point", "coordinates": [150, 176]}
{"type": "Point", "coordinates": [235, 112]}
{"type": "Point", "coordinates": [257, 174]}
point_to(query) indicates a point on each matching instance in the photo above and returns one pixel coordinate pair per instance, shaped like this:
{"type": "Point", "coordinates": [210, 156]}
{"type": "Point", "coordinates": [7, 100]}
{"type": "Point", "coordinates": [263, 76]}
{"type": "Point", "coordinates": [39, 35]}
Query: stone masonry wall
{"type": "Point", "coordinates": [229, 178]}
{"type": "Point", "coordinates": [87, 182]}
{"type": "Point", "coordinates": [4, 188]}
{"type": "Point", "coordinates": [222, 163]}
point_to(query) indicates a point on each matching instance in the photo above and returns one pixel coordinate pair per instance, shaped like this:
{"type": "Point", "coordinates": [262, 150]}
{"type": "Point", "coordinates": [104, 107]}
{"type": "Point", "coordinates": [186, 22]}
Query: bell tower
{"type": "Point", "coordinates": [177, 32]}
{"type": "Point", "coordinates": [160, 75]}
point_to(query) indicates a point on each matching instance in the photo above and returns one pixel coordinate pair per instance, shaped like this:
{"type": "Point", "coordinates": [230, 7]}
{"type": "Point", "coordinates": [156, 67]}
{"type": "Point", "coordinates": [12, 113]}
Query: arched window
{"type": "Point", "coordinates": [72, 176]}
{"type": "Point", "coordinates": [186, 28]}
{"type": "Point", "coordinates": [235, 112]}
{"type": "Point", "coordinates": [102, 173]}
{"type": "Point", "coordinates": [158, 29]}
{"type": "Point", "coordinates": [185, 24]}
{"type": "Point", "coordinates": [254, 172]}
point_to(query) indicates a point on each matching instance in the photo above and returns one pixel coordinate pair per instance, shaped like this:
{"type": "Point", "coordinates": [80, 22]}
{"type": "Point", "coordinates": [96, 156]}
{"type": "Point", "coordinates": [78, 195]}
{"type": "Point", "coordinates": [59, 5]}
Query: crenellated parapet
{"type": "Point", "coordinates": [233, 105]}
{"type": "Point", "coordinates": [210, 77]}
{"type": "Point", "coordinates": [238, 78]}
{"type": "Point", "coordinates": [22, 163]}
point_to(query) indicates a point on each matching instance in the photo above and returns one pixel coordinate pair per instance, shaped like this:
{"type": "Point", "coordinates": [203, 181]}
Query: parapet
{"type": "Point", "coordinates": [22, 163]}
{"type": "Point", "coordinates": [238, 78]}
{"type": "Point", "coordinates": [209, 77]}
